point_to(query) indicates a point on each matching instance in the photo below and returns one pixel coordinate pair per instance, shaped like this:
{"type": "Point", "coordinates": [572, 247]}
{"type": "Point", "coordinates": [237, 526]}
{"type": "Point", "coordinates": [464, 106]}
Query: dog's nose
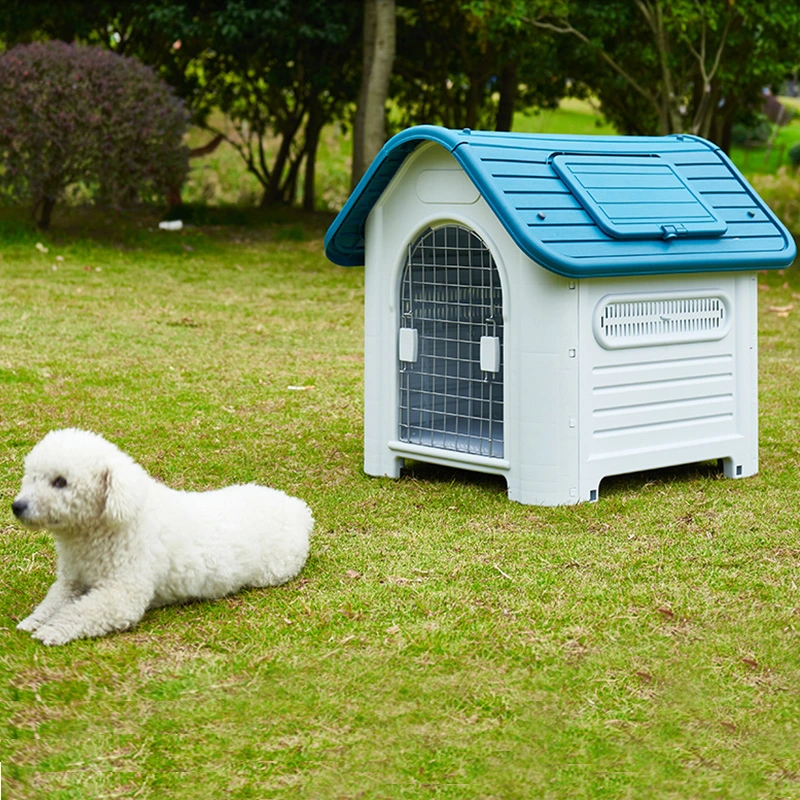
{"type": "Point", "coordinates": [19, 507]}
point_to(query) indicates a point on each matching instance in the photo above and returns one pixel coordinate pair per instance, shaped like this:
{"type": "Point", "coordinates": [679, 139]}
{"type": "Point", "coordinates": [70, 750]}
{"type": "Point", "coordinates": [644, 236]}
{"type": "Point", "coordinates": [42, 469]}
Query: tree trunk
{"type": "Point", "coordinates": [474, 92]}
{"type": "Point", "coordinates": [48, 203]}
{"type": "Point", "coordinates": [368, 44]}
{"type": "Point", "coordinates": [276, 184]}
{"type": "Point", "coordinates": [174, 191]}
{"type": "Point", "coordinates": [722, 126]}
{"type": "Point", "coordinates": [508, 95]}
{"type": "Point", "coordinates": [313, 131]}
{"type": "Point", "coordinates": [308, 178]}
{"type": "Point", "coordinates": [369, 130]}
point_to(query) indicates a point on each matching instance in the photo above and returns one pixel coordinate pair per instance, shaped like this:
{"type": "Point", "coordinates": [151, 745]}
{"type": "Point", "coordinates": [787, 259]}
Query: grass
{"type": "Point", "coordinates": [442, 642]}
{"type": "Point", "coordinates": [573, 116]}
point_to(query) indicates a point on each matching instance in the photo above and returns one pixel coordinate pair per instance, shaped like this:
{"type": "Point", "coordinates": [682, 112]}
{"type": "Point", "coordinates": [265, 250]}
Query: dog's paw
{"type": "Point", "coordinates": [29, 624]}
{"type": "Point", "coordinates": [52, 635]}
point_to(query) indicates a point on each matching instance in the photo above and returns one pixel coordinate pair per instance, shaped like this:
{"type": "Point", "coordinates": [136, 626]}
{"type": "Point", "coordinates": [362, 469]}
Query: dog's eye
{"type": "Point", "coordinates": [60, 482]}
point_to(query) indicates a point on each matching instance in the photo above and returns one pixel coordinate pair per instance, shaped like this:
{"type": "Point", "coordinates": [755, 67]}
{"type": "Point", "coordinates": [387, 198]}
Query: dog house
{"type": "Point", "coordinates": [557, 309]}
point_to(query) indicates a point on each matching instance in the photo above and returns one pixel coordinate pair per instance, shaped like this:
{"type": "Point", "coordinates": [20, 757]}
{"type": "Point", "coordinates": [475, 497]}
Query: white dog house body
{"type": "Point", "coordinates": [558, 309]}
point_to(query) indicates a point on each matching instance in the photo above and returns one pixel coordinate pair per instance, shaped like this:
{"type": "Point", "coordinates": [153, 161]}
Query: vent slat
{"type": "Point", "coordinates": [624, 321]}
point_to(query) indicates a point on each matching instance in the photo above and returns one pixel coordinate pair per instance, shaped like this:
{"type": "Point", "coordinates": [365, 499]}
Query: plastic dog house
{"type": "Point", "coordinates": [557, 309]}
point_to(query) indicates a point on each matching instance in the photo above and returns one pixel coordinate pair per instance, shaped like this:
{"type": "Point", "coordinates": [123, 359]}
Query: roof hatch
{"type": "Point", "coordinates": [637, 197]}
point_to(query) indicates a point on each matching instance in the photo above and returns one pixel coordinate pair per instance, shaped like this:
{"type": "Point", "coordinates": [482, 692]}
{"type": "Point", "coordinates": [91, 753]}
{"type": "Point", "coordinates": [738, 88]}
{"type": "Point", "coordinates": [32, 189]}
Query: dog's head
{"type": "Point", "coordinates": [76, 480]}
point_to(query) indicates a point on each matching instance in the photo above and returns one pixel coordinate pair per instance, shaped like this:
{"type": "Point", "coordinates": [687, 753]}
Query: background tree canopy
{"type": "Point", "coordinates": [282, 69]}
{"type": "Point", "coordinates": [682, 66]}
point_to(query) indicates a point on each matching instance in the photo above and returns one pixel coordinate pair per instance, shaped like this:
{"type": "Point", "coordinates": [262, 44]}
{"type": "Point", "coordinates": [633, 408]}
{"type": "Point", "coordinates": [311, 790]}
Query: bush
{"type": "Point", "coordinates": [758, 130]}
{"type": "Point", "coordinates": [79, 115]}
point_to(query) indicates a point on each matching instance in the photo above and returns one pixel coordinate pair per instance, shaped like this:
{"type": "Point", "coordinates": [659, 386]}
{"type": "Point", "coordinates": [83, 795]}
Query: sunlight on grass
{"type": "Point", "coordinates": [573, 116]}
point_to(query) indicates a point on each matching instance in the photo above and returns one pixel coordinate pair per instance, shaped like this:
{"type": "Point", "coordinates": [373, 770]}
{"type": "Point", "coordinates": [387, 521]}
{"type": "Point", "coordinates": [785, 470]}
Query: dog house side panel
{"type": "Point", "coordinates": [668, 374]}
{"type": "Point", "coordinates": [380, 383]}
{"type": "Point", "coordinates": [545, 330]}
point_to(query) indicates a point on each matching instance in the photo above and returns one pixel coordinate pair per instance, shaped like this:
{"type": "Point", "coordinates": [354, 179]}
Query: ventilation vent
{"type": "Point", "coordinates": [642, 320]}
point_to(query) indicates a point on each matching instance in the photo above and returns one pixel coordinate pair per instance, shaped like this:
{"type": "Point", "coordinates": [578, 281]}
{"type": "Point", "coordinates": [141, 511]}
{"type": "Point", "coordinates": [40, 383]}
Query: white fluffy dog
{"type": "Point", "coordinates": [126, 542]}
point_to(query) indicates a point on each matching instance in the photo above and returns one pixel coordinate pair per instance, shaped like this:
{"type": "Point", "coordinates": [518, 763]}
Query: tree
{"type": "Point", "coordinates": [145, 29]}
{"type": "Point", "coordinates": [466, 63]}
{"type": "Point", "coordinates": [369, 129]}
{"type": "Point", "coordinates": [83, 115]}
{"type": "Point", "coordinates": [675, 67]}
{"type": "Point", "coordinates": [279, 69]}
{"type": "Point", "coordinates": [282, 70]}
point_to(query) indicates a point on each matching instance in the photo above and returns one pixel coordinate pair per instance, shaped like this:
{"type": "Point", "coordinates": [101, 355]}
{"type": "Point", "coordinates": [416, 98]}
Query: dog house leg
{"type": "Point", "coordinates": [381, 462]}
{"type": "Point", "coordinates": [734, 468]}
{"type": "Point", "coordinates": [542, 492]}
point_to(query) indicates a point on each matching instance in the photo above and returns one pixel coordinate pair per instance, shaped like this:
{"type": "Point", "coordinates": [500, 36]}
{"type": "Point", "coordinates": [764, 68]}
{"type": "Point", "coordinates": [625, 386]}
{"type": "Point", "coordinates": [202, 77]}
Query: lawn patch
{"type": "Point", "coordinates": [441, 642]}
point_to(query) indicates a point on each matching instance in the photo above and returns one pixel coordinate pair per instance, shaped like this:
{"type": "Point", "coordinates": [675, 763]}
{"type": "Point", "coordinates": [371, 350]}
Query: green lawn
{"type": "Point", "coordinates": [442, 642]}
{"type": "Point", "coordinates": [572, 116]}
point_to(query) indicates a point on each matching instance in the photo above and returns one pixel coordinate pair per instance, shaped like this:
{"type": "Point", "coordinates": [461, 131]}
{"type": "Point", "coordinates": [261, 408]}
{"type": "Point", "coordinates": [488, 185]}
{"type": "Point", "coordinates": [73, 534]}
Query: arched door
{"type": "Point", "coordinates": [451, 344]}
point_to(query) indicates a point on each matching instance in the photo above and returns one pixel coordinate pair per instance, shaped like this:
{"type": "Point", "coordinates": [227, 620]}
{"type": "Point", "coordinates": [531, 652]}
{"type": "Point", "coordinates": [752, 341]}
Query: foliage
{"type": "Point", "coordinates": [678, 66]}
{"type": "Point", "coordinates": [759, 131]}
{"type": "Point", "coordinates": [149, 30]}
{"type": "Point", "coordinates": [285, 69]}
{"type": "Point", "coordinates": [442, 642]}
{"type": "Point", "coordinates": [279, 69]}
{"type": "Point", "coordinates": [79, 114]}
{"type": "Point", "coordinates": [489, 69]}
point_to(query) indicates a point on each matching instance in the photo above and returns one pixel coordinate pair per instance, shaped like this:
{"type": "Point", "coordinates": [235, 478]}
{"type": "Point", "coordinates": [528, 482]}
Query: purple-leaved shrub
{"type": "Point", "coordinates": [81, 115]}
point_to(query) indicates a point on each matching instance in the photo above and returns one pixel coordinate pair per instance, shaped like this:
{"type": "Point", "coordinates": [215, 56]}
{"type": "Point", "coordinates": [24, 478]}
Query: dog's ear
{"type": "Point", "coordinates": [121, 486]}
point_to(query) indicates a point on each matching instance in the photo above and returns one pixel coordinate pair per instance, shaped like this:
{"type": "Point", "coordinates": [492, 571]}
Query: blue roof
{"type": "Point", "coordinates": [594, 206]}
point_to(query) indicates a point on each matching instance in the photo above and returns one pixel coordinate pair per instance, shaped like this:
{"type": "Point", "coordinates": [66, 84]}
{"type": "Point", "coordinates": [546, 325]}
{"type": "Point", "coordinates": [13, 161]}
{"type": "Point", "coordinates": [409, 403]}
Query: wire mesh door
{"type": "Point", "coordinates": [451, 344]}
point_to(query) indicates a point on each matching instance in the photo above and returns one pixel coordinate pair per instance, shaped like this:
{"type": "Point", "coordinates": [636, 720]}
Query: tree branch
{"type": "Point", "coordinates": [668, 110]}
{"type": "Point", "coordinates": [568, 29]}
{"type": "Point", "coordinates": [701, 119]}
{"type": "Point", "coordinates": [245, 152]}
